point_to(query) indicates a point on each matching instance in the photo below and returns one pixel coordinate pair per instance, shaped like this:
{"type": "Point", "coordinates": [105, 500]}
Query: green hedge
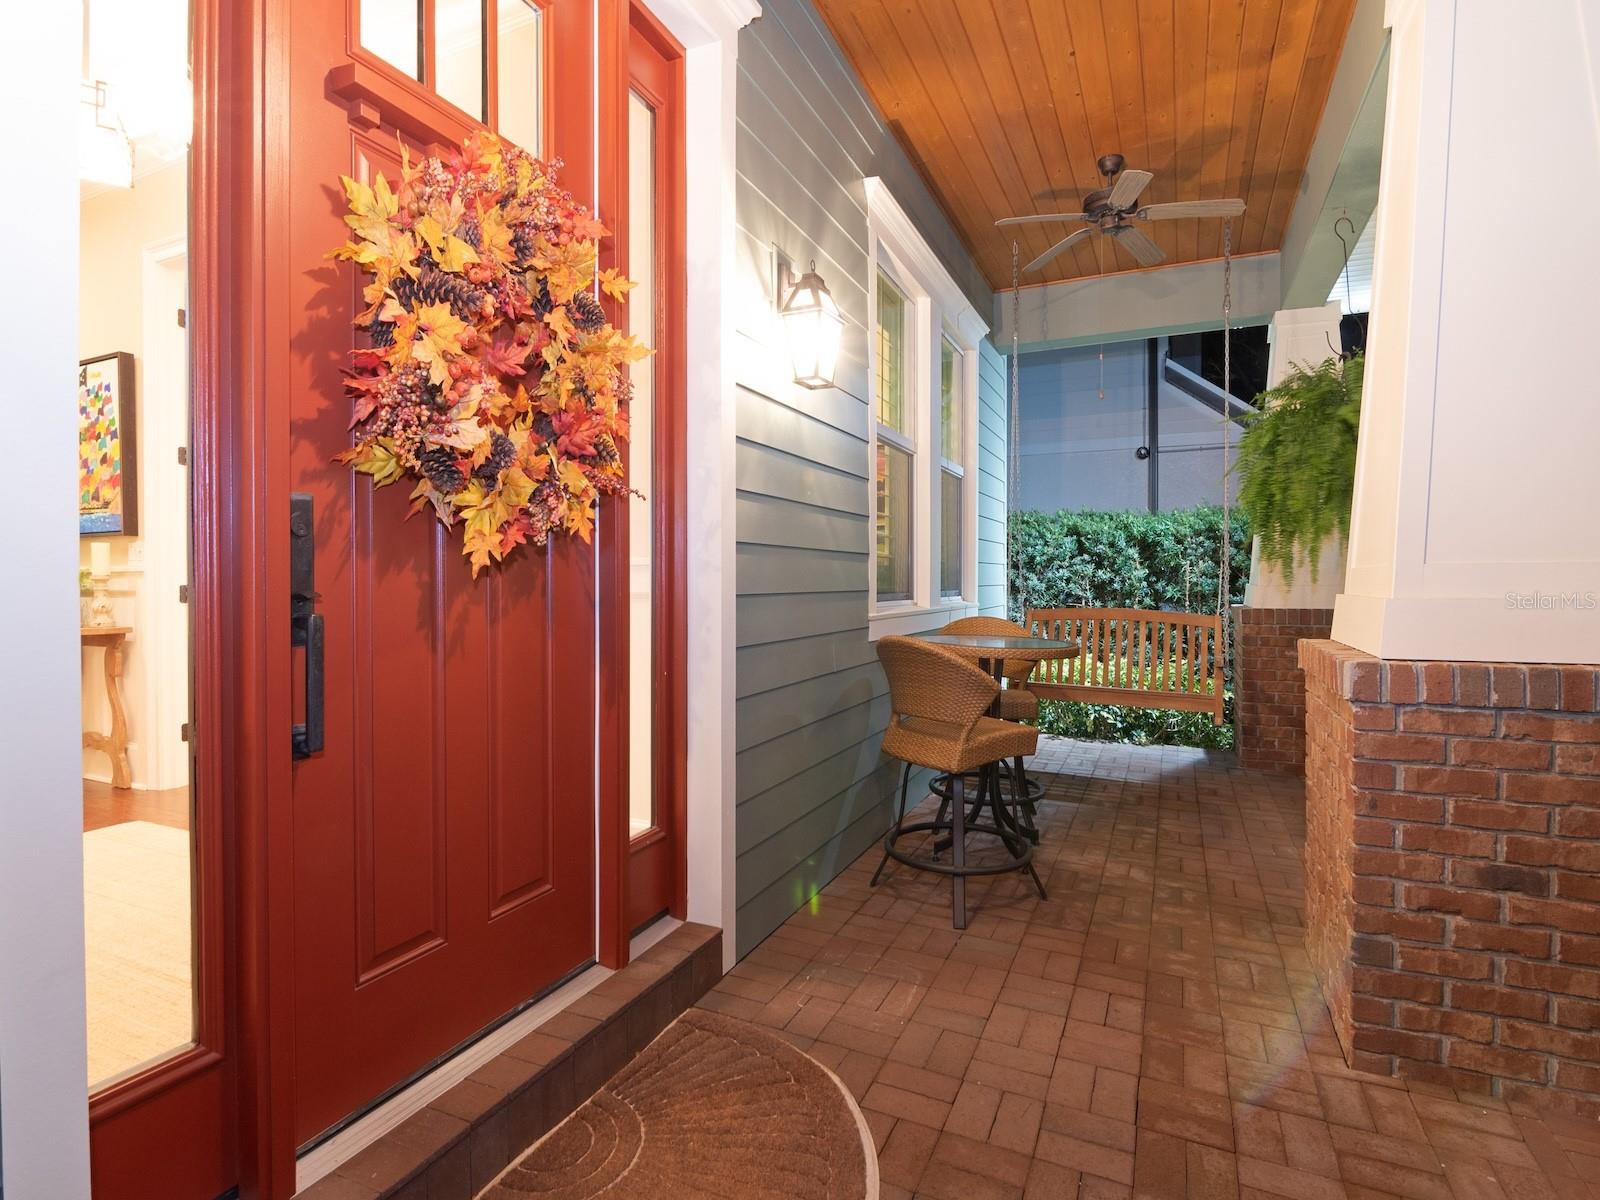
{"type": "Point", "coordinates": [1127, 560]}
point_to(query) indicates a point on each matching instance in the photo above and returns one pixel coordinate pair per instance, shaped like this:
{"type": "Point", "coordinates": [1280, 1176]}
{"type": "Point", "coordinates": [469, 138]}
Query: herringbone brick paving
{"type": "Point", "coordinates": [1151, 1030]}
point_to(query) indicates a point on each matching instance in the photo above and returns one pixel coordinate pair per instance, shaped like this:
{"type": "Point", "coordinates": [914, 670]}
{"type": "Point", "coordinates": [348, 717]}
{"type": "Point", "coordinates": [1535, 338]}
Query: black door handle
{"type": "Point", "coordinates": [305, 623]}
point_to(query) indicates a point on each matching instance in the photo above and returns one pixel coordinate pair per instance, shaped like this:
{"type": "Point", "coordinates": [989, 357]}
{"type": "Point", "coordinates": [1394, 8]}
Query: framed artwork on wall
{"type": "Point", "coordinates": [108, 492]}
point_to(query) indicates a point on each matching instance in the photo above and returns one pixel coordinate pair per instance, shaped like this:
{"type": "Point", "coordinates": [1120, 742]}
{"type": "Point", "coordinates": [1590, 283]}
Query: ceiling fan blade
{"type": "Point", "coordinates": [1041, 217]}
{"type": "Point", "coordinates": [1127, 188]}
{"type": "Point", "coordinates": [1064, 244]}
{"type": "Point", "coordinates": [1192, 208]}
{"type": "Point", "coordinates": [1137, 243]}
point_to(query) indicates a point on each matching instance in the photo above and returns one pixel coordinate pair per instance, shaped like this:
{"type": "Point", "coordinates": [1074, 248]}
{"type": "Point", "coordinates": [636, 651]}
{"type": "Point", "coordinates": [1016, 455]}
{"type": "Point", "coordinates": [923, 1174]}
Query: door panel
{"type": "Point", "coordinates": [444, 838]}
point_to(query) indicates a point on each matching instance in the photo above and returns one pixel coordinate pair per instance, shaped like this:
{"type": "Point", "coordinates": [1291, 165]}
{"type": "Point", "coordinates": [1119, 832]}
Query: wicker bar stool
{"type": "Point", "coordinates": [939, 701]}
{"type": "Point", "coordinates": [1017, 703]}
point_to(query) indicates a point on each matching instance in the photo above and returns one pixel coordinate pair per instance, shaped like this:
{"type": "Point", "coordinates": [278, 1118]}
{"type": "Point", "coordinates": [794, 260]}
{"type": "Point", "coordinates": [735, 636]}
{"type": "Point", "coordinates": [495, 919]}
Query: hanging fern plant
{"type": "Point", "coordinates": [1297, 461]}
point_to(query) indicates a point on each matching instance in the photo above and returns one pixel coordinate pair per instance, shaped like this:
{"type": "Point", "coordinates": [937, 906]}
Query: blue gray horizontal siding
{"type": "Point", "coordinates": [812, 789]}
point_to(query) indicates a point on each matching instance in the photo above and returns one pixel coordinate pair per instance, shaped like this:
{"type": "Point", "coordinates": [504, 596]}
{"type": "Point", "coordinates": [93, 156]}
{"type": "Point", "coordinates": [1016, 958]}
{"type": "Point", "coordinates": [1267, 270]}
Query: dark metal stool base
{"type": "Point", "coordinates": [1013, 836]}
{"type": "Point", "coordinates": [1023, 822]}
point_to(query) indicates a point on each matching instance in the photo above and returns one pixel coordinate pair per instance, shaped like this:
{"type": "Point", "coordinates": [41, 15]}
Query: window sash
{"type": "Point", "coordinates": [894, 525]}
{"type": "Point", "coordinates": [891, 344]}
{"type": "Point", "coordinates": [952, 533]}
{"type": "Point", "coordinates": [952, 364]}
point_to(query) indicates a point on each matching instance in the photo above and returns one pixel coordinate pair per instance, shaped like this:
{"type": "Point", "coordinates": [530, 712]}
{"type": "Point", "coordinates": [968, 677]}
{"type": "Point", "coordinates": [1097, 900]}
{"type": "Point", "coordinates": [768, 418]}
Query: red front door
{"type": "Point", "coordinates": [443, 838]}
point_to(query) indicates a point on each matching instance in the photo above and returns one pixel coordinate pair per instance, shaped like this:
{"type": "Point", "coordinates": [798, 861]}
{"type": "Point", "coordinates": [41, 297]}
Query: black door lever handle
{"type": "Point", "coordinates": [305, 623]}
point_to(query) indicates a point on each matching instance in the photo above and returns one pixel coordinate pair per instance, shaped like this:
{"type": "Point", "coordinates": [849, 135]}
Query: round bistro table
{"type": "Point", "coordinates": [991, 652]}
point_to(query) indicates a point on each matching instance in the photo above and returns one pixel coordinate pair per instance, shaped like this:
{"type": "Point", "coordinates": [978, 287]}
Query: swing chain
{"type": "Point", "coordinates": [1013, 432]}
{"type": "Point", "coordinates": [1224, 583]}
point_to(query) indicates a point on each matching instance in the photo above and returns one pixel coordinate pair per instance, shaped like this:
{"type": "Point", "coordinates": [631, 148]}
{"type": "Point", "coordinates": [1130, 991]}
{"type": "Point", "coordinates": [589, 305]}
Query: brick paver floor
{"type": "Point", "coordinates": [1152, 1029]}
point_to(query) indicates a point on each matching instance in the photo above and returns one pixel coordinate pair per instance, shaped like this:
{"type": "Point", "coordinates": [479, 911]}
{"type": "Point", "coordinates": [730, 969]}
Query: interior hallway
{"type": "Point", "coordinates": [1153, 1029]}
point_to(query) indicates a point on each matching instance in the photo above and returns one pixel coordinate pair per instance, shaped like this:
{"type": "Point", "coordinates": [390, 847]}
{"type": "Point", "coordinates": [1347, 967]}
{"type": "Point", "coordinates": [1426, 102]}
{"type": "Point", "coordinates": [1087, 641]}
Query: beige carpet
{"type": "Point", "coordinates": [714, 1107]}
{"type": "Point", "coordinates": [138, 945]}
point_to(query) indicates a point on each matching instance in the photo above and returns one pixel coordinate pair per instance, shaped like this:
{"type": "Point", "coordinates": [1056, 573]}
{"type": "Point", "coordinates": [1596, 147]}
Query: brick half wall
{"type": "Point", "coordinates": [1269, 691]}
{"type": "Point", "coordinates": [1453, 870]}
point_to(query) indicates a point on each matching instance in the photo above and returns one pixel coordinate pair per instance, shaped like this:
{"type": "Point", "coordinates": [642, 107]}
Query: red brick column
{"type": "Point", "coordinates": [1269, 691]}
{"type": "Point", "coordinates": [1453, 871]}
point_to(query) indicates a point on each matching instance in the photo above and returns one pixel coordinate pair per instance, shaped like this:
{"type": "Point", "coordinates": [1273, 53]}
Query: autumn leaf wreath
{"type": "Point", "coordinates": [492, 377]}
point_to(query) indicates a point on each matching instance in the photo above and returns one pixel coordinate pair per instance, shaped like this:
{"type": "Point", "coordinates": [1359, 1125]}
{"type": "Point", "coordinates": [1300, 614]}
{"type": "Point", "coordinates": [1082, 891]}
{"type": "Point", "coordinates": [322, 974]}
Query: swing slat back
{"type": "Point", "coordinates": [1132, 656]}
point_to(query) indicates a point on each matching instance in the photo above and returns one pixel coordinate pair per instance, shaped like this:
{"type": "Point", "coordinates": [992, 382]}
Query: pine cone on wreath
{"type": "Point", "coordinates": [443, 471]}
{"type": "Point", "coordinates": [522, 243]}
{"type": "Point", "coordinates": [502, 453]}
{"type": "Point", "coordinates": [439, 287]}
{"type": "Point", "coordinates": [586, 312]}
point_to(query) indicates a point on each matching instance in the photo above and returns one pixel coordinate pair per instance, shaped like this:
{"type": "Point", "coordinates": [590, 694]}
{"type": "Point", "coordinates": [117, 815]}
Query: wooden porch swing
{"type": "Point", "coordinates": [1141, 658]}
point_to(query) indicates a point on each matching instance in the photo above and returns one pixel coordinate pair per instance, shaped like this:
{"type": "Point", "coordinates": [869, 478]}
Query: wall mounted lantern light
{"type": "Point", "coordinates": [813, 325]}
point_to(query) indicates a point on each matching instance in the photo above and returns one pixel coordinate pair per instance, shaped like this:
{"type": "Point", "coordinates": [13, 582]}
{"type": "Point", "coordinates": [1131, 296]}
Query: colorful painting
{"type": "Point", "coordinates": [107, 493]}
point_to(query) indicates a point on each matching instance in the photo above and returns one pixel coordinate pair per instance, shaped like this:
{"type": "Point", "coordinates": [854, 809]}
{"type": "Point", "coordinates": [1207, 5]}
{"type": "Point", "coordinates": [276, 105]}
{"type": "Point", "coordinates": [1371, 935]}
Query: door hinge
{"type": "Point", "coordinates": [183, 456]}
{"type": "Point", "coordinates": [185, 733]}
{"type": "Point", "coordinates": [183, 593]}
{"type": "Point", "coordinates": [183, 319]}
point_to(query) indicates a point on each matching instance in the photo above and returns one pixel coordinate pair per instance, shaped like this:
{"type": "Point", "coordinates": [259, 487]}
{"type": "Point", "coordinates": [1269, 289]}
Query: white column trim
{"type": "Point", "coordinates": [44, 1111]}
{"type": "Point", "coordinates": [1472, 533]}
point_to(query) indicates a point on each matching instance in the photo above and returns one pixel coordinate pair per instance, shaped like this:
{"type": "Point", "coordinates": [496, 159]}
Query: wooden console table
{"type": "Point", "coordinates": [113, 639]}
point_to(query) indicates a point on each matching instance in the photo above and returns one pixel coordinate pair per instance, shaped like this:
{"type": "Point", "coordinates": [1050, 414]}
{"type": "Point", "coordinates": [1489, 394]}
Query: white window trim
{"type": "Point", "coordinates": [936, 309]}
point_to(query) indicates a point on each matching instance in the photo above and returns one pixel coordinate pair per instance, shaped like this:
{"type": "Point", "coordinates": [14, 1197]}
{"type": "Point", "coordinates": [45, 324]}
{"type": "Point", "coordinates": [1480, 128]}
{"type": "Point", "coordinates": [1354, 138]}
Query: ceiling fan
{"type": "Point", "coordinates": [1112, 210]}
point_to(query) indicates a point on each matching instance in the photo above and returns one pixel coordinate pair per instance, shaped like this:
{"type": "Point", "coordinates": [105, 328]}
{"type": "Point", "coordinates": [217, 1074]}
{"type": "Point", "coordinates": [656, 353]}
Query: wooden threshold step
{"type": "Point", "coordinates": [454, 1147]}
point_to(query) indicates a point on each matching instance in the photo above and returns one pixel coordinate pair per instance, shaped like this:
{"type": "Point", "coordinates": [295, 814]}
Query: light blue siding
{"type": "Point", "coordinates": [813, 791]}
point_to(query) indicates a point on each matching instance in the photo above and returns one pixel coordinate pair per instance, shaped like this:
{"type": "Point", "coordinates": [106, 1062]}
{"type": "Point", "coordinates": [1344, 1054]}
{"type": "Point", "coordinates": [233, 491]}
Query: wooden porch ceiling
{"type": "Point", "coordinates": [1005, 105]}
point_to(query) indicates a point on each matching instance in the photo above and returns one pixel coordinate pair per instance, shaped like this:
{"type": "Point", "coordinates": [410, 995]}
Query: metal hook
{"type": "Point", "coordinates": [1349, 304]}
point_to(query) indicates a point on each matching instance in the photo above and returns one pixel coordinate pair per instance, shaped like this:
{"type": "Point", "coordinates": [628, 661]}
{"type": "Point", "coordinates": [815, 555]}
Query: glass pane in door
{"type": "Point", "coordinates": [392, 29]}
{"type": "Point", "coordinates": [458, 47]}
{"type": "Point", "coordinates": [134, 523]}
{"type": "Point", "coordinates": [641, 444]}
{"type": "Point", "coordinates": [519, 73]}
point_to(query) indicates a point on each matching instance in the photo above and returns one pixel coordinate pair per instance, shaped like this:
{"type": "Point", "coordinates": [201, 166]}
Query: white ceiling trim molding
{"type": "Point", "coordinates": [1184, 298]}
{"type": "Point", "coordinates": [891, 222]}
{"type": "Point", "coordinates": [694, 22]}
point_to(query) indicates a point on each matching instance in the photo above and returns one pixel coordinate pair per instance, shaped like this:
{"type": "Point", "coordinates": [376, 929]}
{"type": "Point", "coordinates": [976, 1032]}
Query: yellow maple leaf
{"type": "Point", "coordinates": [370, 208]}
{"type": "Point", "coordinates": [614, 284]}
{"type": "Point", "coordinates": [515, 487]}
{"type": "Point", "coordinates": [456, 254]}
{"type": "Point", "coordinates": [378, 460]}
{"type": "Point", "coordinates": [481, 547]}
{"type": "Point", "coordinates": [430, 231]}
{"type": "Point", "coordinates": [573, 478]}
{"type": "Point", "coordinates": [559, 323]}
{"type": "Point", "coordinates": [494, 234]}
{"type": "Point", "coordinates": [436, 339]}
{"type": "Point", "coordinates": [580, 518]}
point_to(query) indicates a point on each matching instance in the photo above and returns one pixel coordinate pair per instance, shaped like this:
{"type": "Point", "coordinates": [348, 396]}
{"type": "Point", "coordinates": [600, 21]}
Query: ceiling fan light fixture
{"type": "Point", "coordinates": [1110, 210]}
